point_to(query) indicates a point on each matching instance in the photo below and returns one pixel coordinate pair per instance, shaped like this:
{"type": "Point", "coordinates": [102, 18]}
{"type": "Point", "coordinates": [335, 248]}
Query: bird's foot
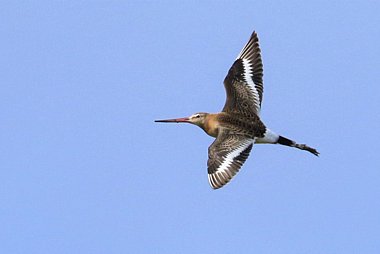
{"type": "Point", "coordinates": [307, 148]}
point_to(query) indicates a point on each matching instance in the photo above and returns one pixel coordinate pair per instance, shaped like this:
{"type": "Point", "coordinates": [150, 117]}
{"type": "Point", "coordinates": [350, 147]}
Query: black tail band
{"type": "Point", "coordinates": [285, 141]}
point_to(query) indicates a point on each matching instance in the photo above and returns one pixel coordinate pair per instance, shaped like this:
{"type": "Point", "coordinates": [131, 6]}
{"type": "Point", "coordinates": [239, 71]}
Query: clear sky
{"type": "Point", "coordinates": [84, 169]}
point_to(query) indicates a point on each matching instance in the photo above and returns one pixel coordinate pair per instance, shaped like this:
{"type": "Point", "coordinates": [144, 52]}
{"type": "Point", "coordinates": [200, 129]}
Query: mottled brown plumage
{"type": "Point", "coordinates": [238, 126]}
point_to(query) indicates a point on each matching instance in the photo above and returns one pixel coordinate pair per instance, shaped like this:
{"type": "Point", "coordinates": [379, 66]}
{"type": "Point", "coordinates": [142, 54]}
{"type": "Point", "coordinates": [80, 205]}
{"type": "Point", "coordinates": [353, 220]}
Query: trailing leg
{"type": "Point", "coordinates": [287, 142]}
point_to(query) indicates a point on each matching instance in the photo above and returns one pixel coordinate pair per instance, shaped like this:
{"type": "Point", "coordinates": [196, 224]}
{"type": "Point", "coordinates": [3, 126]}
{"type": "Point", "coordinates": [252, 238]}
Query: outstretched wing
{"type": "Point", "coordinates": [244, 81]}
{"type": "Point", "coordinates": [225, 157]}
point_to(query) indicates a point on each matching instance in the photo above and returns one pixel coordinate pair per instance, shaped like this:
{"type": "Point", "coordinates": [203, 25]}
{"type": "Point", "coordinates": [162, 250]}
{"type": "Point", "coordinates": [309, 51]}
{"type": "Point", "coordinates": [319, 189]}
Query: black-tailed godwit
{"type": "Point", "coordinates": [238, 126]}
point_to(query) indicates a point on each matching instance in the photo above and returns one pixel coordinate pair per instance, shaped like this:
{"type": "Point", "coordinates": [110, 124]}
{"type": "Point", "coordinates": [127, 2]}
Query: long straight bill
{"type": "Point", "coordinates": [175, 120]}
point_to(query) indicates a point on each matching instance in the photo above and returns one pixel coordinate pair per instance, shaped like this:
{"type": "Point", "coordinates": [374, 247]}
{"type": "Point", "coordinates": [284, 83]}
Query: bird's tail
{"type": "Point", "coordinates": [287, 142]}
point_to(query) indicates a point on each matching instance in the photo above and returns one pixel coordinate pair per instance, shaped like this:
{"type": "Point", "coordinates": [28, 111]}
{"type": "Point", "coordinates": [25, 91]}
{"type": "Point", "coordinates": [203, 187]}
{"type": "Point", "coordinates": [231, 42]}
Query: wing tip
{"type": "Point", "coordinates": [252, 44]}
{"type": "Point", "coordinates": [216, 181]}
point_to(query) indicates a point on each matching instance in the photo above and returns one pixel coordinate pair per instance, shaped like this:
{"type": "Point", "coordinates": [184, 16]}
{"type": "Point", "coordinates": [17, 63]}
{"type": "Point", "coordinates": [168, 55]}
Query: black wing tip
{"type": "Point", "coordinates": [254, 35]}
{"type": "Point", "coordinates": [217, 181]}
{"type": "Point", "coordinates": [213, 187]}
{"type": "Point", "coordinates": [252, 49]}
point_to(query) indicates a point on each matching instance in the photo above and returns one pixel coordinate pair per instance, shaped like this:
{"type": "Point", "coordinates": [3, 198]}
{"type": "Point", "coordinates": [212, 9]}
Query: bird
{"type": "Point", "coordinates": [238, 126]}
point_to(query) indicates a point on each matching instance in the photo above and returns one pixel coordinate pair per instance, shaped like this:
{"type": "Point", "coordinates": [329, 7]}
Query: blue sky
{"type": "Point", "coordinates": [84, 169]}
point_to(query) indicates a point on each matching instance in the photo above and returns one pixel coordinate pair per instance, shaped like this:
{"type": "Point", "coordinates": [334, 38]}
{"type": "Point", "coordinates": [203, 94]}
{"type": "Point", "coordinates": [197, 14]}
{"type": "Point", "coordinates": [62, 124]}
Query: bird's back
{"type": "Point", "coordinates": [249, 126]}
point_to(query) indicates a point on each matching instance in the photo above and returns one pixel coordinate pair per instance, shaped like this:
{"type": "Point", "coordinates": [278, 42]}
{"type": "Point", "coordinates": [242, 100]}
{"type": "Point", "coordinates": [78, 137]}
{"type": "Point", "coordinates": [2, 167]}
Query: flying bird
{"type": "Point", "coordinates": [238, 126]}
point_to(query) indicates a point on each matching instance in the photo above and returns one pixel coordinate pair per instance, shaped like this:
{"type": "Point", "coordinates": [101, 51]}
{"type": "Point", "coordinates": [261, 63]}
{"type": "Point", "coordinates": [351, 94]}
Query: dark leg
{"type": "Point", "coordinates": [287, 142]}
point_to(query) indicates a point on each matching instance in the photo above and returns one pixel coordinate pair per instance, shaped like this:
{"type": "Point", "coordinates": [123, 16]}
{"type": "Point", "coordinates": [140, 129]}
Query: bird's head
{"type": "Point", "coordinates": [198, 118]}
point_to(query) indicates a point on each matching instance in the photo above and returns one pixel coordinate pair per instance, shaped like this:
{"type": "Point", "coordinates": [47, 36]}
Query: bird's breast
{"type": "Point", "coordinates": [211, 126]}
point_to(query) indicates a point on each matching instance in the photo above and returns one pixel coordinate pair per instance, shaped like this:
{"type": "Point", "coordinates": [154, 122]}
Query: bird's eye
{"type": "Point", "coordinates": [197, 116]}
